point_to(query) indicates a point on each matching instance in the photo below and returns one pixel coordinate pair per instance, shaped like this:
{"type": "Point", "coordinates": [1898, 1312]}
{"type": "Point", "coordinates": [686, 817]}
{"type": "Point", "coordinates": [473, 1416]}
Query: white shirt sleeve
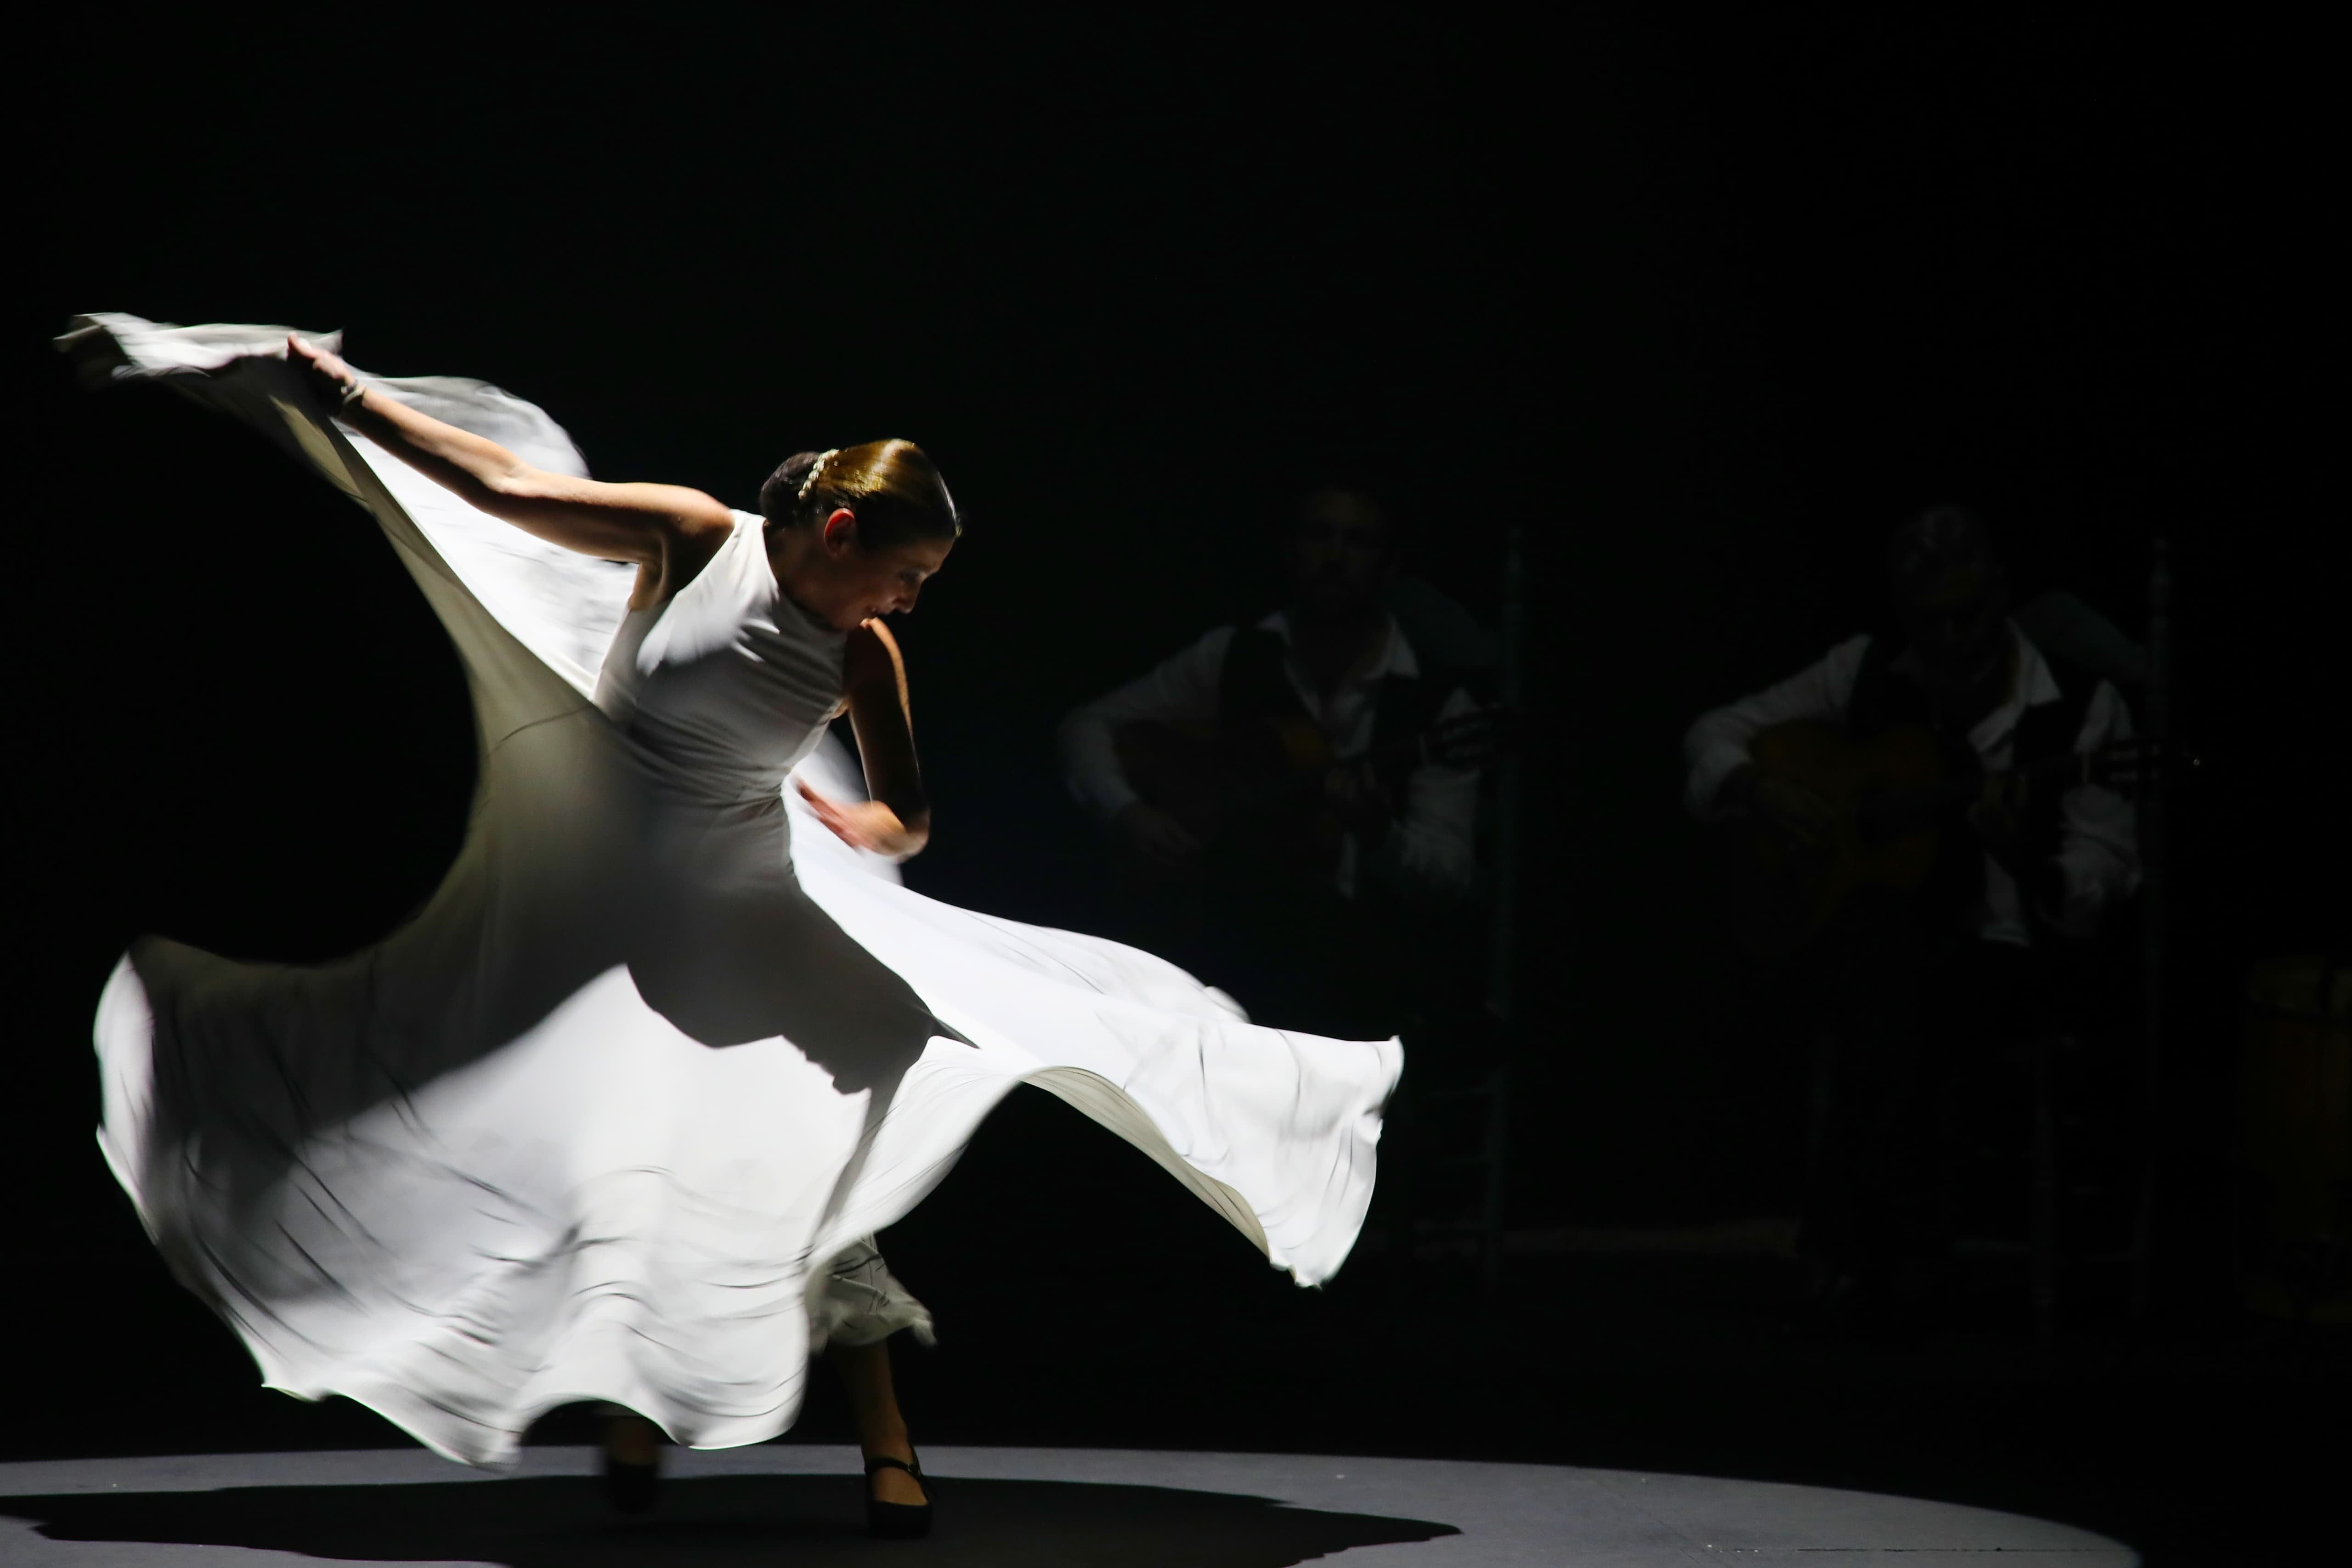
{"type": "Point", "coordinates": [1715, 746]}
{"type": "Point", "coordinates": [2098, 842]}
{"type": "Point", "coordinates": [1431, 845]}
{"type": "Point", "coordinates": [1178, 690]}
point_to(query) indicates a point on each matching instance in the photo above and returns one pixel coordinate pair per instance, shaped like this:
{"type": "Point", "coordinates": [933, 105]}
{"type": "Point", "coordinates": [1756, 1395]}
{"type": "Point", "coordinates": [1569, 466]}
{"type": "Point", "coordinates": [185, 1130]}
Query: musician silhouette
{"type": "Point", "coordinates": [1917, 971]}
{"type": "Point", "coordinates": [1282, 781]}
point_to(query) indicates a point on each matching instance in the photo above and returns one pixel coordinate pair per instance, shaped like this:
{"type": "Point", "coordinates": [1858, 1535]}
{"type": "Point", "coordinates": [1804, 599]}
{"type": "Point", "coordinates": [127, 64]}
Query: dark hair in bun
{"type": "Point", "coordinates": [892, 486]}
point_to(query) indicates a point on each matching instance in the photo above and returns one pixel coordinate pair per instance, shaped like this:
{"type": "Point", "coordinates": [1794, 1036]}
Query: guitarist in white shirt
{"type": "Point", "coordinates": [1908, 985]}
{"type": "Point", "coordinates": [1334, 657]}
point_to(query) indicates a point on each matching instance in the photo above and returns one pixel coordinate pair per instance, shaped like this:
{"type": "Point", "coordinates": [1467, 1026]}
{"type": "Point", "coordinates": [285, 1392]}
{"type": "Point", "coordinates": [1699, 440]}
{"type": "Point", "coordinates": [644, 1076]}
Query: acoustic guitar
{"type": "Point", "coordinates": [1258, 790]}
{"type": "Point", "coordinates": [1892, 797]}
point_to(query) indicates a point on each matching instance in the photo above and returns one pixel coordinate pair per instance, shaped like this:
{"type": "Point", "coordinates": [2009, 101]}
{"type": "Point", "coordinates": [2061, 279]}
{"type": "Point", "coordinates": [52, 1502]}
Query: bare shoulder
{"type": "Point", "coordinates": [695, 515]}
{"type": "Point", "coordinates": [696, 526]}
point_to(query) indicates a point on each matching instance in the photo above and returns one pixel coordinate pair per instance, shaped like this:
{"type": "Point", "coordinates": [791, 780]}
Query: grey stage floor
{"type": "Point", "coordinates": [779, 1504]}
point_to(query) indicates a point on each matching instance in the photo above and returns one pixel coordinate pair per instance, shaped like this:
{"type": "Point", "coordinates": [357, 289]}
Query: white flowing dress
{"type": "Point", "coordinates": [615, 1116]}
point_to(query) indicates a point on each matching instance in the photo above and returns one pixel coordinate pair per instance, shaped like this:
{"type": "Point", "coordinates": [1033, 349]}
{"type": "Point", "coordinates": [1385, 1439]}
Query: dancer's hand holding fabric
{"type": "Point", "coordinates": [865, 824]}
{"type": "Point", "coordinates": [334, 378]}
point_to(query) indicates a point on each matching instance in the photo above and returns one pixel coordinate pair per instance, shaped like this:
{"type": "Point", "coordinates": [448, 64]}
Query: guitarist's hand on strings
{"type": "Point", "coordinates": [1360, 800]}
{"type": "Point", "coordinates": [1796, 812]}
{"type": "Point", "coordinates": [1156, 836]}
{"type": "Point", "coordinates": [1998, 817]}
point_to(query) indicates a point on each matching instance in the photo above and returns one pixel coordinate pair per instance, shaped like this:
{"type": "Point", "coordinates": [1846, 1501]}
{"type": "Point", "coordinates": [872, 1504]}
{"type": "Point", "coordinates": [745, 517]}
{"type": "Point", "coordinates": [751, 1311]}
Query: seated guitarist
{"type": "Point", "coordinates": [1907, 988]}
{"type": "Point", "coordinates": [1292, 926]}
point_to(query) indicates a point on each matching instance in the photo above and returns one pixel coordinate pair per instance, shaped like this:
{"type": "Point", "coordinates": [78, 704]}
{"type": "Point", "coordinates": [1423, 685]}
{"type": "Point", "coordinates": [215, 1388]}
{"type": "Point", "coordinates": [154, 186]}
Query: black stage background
{"type": "Point", "coordinates": [1703, 306]}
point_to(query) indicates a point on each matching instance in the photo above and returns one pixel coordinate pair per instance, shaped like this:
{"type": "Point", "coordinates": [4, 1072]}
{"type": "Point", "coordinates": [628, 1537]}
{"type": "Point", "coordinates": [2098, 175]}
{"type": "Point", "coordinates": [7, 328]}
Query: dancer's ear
{"type": "Point", "coordinates": [840, 532]}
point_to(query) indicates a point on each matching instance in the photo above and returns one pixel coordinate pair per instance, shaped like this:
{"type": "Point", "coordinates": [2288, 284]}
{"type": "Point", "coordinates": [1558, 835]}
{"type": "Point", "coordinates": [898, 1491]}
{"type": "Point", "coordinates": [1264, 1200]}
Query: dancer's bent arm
{"type": "Point", "coordinates": [896, 820]}
{"type": "Point", "coordinates": [667, 532]}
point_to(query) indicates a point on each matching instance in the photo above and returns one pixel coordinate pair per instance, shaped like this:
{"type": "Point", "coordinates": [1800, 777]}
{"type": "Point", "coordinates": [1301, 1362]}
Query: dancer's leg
{"type": "Point", "coordinates": [632, 1462]}
{"type": "Point", "coordinates": [630, 1439]}
{"type": "Point", "coordinates": [874, 1408]}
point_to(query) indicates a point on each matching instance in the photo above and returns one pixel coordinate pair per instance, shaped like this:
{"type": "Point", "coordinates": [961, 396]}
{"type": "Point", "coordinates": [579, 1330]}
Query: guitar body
{"type": "Point", "coordinates": [1868, 846]}
{"type": "Point", "coordinates": [1255, 794]}
{"type": "Point", "coordinates": [1251, 791]}
{"type": "Point", "coordinates": [1891, 798]}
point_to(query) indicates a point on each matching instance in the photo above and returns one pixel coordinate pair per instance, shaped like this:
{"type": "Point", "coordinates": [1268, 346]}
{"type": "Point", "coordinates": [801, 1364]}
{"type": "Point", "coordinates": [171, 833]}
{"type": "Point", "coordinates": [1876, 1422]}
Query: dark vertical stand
{"type": "Point", "coordinates": [2152, 836]}
{"type": "Point", "coordinates": [1502, 974]}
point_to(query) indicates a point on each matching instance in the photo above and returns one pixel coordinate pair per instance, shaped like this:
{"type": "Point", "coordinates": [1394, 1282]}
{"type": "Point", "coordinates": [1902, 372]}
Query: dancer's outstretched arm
{"type": "Point", "coordinates": [667, 532]}
{"type": "Point", "coordinates": [896, 820]}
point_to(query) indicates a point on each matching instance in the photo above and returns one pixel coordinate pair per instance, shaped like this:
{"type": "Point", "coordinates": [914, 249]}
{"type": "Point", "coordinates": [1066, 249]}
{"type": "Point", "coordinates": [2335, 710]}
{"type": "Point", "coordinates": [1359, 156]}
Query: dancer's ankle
{"type": "Point", "coordinates": [889, 1443]}
{"type": "Point", "coordinates": [630, 1439]}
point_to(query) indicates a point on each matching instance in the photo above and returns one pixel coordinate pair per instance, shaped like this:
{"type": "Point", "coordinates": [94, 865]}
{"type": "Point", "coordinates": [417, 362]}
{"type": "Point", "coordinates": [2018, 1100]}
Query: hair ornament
{"type": "Point", "coordinates": [808, 481]}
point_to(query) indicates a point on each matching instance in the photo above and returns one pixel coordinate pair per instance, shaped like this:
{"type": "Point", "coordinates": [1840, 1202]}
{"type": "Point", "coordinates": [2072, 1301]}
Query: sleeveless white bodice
{"type": "Point", "coordinates": [730, 684]}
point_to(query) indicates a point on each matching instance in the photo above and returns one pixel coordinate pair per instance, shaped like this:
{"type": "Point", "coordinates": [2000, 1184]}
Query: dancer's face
{"type": "Point", "coordinates": [836, 576]}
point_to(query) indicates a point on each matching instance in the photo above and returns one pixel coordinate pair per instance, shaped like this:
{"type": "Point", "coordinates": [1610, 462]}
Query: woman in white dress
{"type": "Point", "coordinates": [615, 1117]}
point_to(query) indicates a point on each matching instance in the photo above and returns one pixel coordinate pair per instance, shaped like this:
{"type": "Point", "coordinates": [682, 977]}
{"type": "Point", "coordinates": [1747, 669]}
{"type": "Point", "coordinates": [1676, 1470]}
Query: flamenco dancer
{"type": "Point", "coordinates": [616, 1117]}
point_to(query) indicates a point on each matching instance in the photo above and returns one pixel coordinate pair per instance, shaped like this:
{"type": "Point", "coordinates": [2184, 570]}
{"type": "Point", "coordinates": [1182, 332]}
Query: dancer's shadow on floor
{"type": "Point", "coordinates": [717, 1522]}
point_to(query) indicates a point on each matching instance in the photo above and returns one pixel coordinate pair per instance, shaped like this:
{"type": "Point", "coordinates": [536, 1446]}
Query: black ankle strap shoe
{"type": "Point", "coordinates": [898, 1521]}
{"type": "Point", "coordinates": [631, 1488]}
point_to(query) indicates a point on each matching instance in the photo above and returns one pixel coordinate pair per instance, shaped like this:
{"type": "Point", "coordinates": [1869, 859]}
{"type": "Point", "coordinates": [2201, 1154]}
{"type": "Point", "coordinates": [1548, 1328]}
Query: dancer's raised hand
{"type": "Point", "coordinates": [332, 377]}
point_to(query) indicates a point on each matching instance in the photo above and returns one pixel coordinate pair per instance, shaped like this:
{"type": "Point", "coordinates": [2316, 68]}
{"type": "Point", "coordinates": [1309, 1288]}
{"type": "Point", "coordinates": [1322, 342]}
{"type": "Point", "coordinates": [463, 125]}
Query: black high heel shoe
{"type": "Point", "coordinates": [898, 1521]}
{"type": "Point", "coordinates": [631, 1488]}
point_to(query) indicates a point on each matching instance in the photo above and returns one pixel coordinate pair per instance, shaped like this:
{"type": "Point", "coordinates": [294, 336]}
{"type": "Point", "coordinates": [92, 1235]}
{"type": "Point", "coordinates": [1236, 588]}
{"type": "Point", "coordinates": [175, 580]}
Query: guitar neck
{"type": "Point", "coordinates": [1931, 799]}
